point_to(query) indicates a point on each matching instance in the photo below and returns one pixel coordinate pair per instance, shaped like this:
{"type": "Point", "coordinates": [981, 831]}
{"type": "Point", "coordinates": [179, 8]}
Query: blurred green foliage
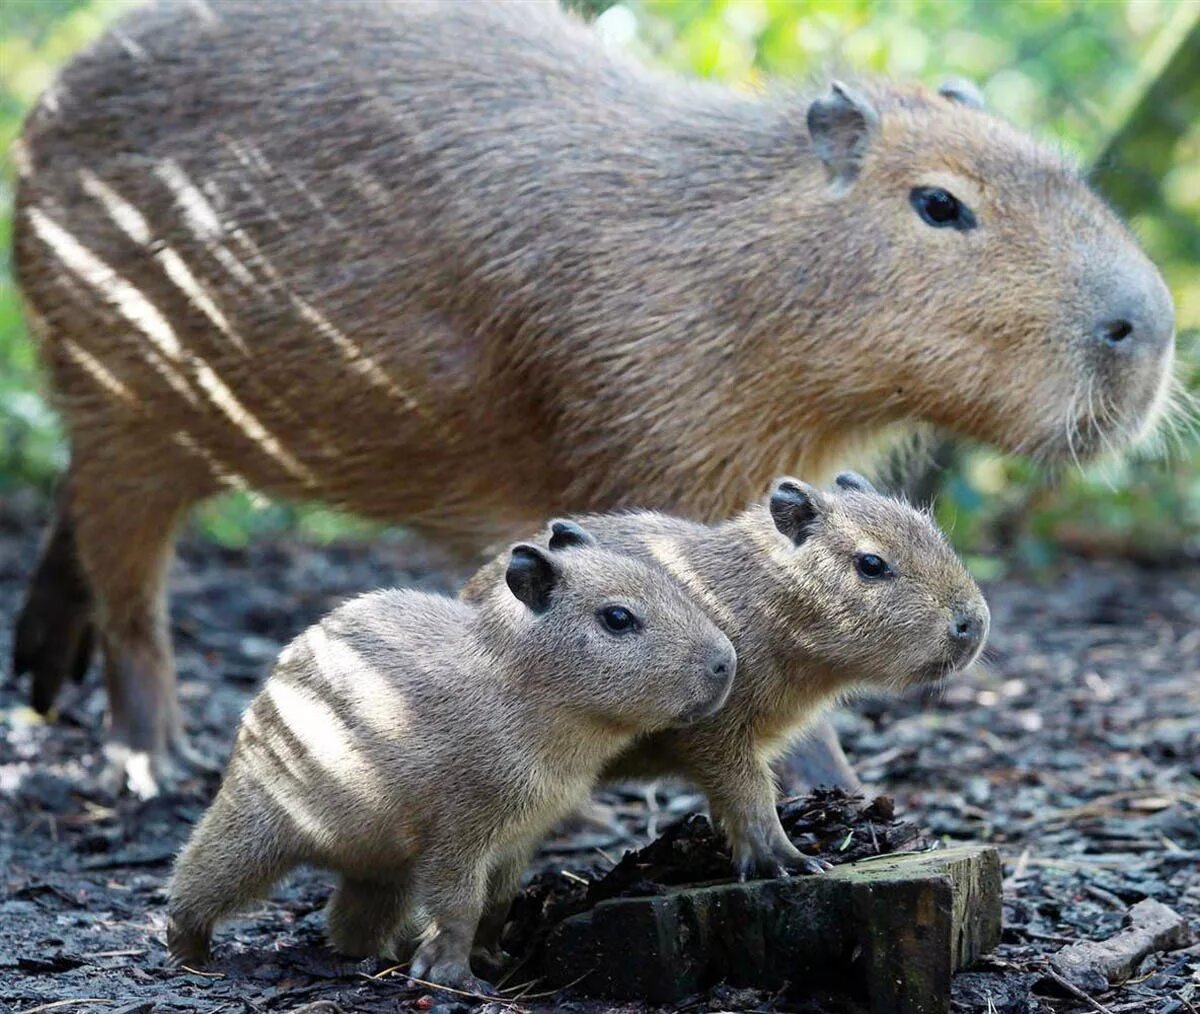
{"type": "Point", "coordinates": [1115, 83]}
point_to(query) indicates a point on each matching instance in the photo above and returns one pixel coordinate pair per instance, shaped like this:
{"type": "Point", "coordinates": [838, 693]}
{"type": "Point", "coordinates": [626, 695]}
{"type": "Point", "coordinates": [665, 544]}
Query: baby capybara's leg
{"type": "Point", "coordinates": [54, 634]}
{"type": "Point", "coordinates": [818, 760]}
{"type": "Point", "coordinates": [234, 857]}
{"type": "Point", "coordinates": [124, 531]}
{"type": "Point", "coordinates": [504, 881]}
{"type": "Point", "coordinates": [450, 886]}
{"type": "Point", "coordinates": [365, 918]}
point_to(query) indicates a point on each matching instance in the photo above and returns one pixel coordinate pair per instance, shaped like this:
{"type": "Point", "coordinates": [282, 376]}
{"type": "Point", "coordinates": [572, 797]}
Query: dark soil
{"type": "Point", "coordinates": [1075, 749]}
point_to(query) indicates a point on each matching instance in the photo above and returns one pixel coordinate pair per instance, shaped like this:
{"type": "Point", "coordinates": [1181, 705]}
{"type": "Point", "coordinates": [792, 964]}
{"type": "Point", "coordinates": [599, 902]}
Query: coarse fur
{"type": "Point", "coordinates": [459, 266]}
{"type": "Point", "coordinates": [421, 747]}
{"type": "Point", "coordinates": [808, 628]}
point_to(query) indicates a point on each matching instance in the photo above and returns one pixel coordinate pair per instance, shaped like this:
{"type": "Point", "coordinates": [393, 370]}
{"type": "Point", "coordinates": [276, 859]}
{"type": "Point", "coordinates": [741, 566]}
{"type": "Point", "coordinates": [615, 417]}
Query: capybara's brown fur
{"type": "Point", "coordinates": [421, 747]}
{"type": "Point", "coordinates": [822, 594]}
{"type": "Point", "coordinates": [460, 267]}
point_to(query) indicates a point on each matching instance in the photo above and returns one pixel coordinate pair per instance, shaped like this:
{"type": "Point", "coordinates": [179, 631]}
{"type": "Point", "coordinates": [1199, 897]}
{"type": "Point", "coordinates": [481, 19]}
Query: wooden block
{"type": "Point", "coordinates": [891, 930]}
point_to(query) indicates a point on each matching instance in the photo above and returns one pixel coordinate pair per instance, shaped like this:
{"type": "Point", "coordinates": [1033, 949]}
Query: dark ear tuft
{"type": "Point", "coordinates": [841, 125]}
{"type": "Point", "coordinates": [854, 482]}
{"type": "Point", "coordinates": [795, 507]}
{"type": "Point", "coordinates": [962, 91]}
{"type": "Point", "coordinates": [532, 576]}
{"type": "Point", "coordinates": [565, 534]}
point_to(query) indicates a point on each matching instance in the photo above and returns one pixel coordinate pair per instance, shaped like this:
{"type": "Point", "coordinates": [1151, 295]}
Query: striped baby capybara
{"type": "Point", "coordinates": [422, 747]}
{"type": "Point", "coordinates": [461, 267]}
{"type": "Point", "coordinates": [822, 594]}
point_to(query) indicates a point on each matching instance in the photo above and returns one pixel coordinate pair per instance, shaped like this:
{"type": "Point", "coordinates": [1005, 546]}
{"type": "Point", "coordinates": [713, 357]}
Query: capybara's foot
{"type": "Point", "coordinates": [189, 946]}
{"type": "Point", "coordinates": [144, 774]}
{"type": "Point", "coordinates": [772, 860]}
{"type": "Point", "coordinates": [430, 964]}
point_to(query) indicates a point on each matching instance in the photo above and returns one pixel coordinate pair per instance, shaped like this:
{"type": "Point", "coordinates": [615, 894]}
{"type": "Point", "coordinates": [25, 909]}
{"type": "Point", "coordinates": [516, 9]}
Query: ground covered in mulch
{"type": "Point", "coordinates": [1075, 749]}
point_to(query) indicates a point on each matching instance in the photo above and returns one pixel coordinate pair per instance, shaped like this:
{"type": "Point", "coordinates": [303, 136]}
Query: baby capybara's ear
{"type": "Point", "coordinates": [532, 576]}
{"type": "Point", "coordinates": [854, 482]}
{"type": "Point", "coordinates": [795, 508]}
{"type": "Point", "coordinates": [565, 534]}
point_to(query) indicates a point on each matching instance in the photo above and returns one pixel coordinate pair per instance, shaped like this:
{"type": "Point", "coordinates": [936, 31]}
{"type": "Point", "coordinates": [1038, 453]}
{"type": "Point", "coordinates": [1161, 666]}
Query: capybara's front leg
{"type": "Point", "coordinates": [453, 893]}
{"type": "Point", "coordinates": [741, 795]}
{"type": "Point", "coordinates": [124, 532]}
{"type": "Point", "coordinates": [503, 883]}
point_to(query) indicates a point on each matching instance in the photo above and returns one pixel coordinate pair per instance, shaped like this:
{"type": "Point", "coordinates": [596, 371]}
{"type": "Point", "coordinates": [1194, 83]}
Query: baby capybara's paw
{"type": "Point", "coordinates": [188, 945]}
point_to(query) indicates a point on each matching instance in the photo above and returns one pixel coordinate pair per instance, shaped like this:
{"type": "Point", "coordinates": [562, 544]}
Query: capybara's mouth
{"type": "Point", "coordinates": [704, 710]}
{"type": "Point", "coordinates": [940, 669]}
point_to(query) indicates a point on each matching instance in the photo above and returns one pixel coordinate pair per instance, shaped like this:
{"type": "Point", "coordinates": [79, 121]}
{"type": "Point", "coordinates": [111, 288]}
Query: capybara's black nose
{"type": "Point", "coordinates": [966, 632]}
{"type": "Point", "coordinates": [1140, 319]}
{"type": "Point", "coordinates": [722, 663]}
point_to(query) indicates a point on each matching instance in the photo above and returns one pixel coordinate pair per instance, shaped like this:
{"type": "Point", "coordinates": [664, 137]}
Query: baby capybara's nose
{"type": "Point", "coordinates": [721, 664]}
{"type": "Point", "coordinates": [967, 630]}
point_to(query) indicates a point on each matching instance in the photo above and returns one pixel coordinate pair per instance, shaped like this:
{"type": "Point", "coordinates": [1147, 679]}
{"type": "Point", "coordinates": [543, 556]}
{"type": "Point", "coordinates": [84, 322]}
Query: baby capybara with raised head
{"type": "Point", "coordinates": [822, 594]}
{"type": "Point", "coordinates": [459, 266]}
{"type": "Point", "coordinates": [421, 747]}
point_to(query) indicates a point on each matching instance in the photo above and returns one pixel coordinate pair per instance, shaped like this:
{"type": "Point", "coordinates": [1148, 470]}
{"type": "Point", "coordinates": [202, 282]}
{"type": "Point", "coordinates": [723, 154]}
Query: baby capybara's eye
{"type": "Point", "coordinates": [941, 209]}
{"type": "Point", "coordinates": [871, 567]}
{"type": "Point", "coordinates": [619, 620]}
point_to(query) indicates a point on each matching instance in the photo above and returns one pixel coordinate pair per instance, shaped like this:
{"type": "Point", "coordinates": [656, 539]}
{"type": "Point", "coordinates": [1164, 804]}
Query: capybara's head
{"type": "Point", "coordinates": [872, 587]}
{"type": "Point", "coordinates": [984, 287]}
{"type": "Point", "coordinates": [612, 639]}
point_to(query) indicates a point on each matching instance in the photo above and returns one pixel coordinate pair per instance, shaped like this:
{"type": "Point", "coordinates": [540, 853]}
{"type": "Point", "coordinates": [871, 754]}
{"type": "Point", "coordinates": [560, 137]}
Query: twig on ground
{"type": "Point", "coordinates": [1078, 993]}
{"type": "Point", "coordinates": [131, 953]}
{"type": "Point", "coordinates": [445, 989]}
{"type": "Point", "coordinates": [561, 989]}
{"type": "Point", "coordinates": [204, 975]}
{"type": "Point", "coordinates": [1105, 896]}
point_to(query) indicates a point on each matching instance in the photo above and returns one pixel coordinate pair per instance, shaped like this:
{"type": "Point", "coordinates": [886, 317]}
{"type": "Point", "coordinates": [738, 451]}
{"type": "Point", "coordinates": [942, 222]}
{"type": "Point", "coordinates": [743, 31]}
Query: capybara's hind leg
{"type": "Point", "coordinates": [233, 858]}
{"type": "Point", "coordinates": [124, 532]}
{"type": "Point", "coordinates": [54, 634]}
{"type": "Point", "coordinates": [366, 918]}
{"type": "Point", "coordinates": [818, 760]}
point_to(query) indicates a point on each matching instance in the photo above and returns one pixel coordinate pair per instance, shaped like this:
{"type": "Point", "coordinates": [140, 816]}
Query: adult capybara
{"type": "Point", "coordinates": [460, 267]}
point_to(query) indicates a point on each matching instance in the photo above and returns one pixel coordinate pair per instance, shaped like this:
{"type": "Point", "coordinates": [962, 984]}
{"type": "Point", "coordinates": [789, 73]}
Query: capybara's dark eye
{"type": "Point", "coordinates": [941, 209]}
{"type": "Point", "coordinates": [619, 620]}
{"type": "Point", "coordinates": [871, 567]}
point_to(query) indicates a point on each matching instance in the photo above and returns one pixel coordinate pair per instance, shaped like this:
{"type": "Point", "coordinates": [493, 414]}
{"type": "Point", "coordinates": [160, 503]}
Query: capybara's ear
{"type": "Point", "coordinates": [532, 576]}
{"type": "Point", "coordinates": [795, 508]}
{"type": "Point", "coordinates": [854, 482]}
{"type": "Point", "coordinates": [962, 91]}
{"type": "Point", "coordinates": [564, 534]}
{"type": "Point", "coordinates": [841, 125]}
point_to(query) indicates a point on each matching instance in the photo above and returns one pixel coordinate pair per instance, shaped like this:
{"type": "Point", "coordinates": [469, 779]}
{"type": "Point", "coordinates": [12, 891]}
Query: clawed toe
{"type": "Point", "coordinates": [809, 865]}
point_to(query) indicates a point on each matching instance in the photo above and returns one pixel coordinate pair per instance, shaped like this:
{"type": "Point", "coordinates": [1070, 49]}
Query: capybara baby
{"type": "Point", "coordinates": [421, 747]}
{"type": "Point", "coordinates": [462, 267]}
{"type": "Point", "coordinates": [822, 594]}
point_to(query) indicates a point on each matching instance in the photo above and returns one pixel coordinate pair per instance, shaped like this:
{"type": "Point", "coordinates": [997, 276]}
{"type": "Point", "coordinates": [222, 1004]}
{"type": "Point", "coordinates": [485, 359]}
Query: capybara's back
{"type": "Point", "coordinates": [458, 266]}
